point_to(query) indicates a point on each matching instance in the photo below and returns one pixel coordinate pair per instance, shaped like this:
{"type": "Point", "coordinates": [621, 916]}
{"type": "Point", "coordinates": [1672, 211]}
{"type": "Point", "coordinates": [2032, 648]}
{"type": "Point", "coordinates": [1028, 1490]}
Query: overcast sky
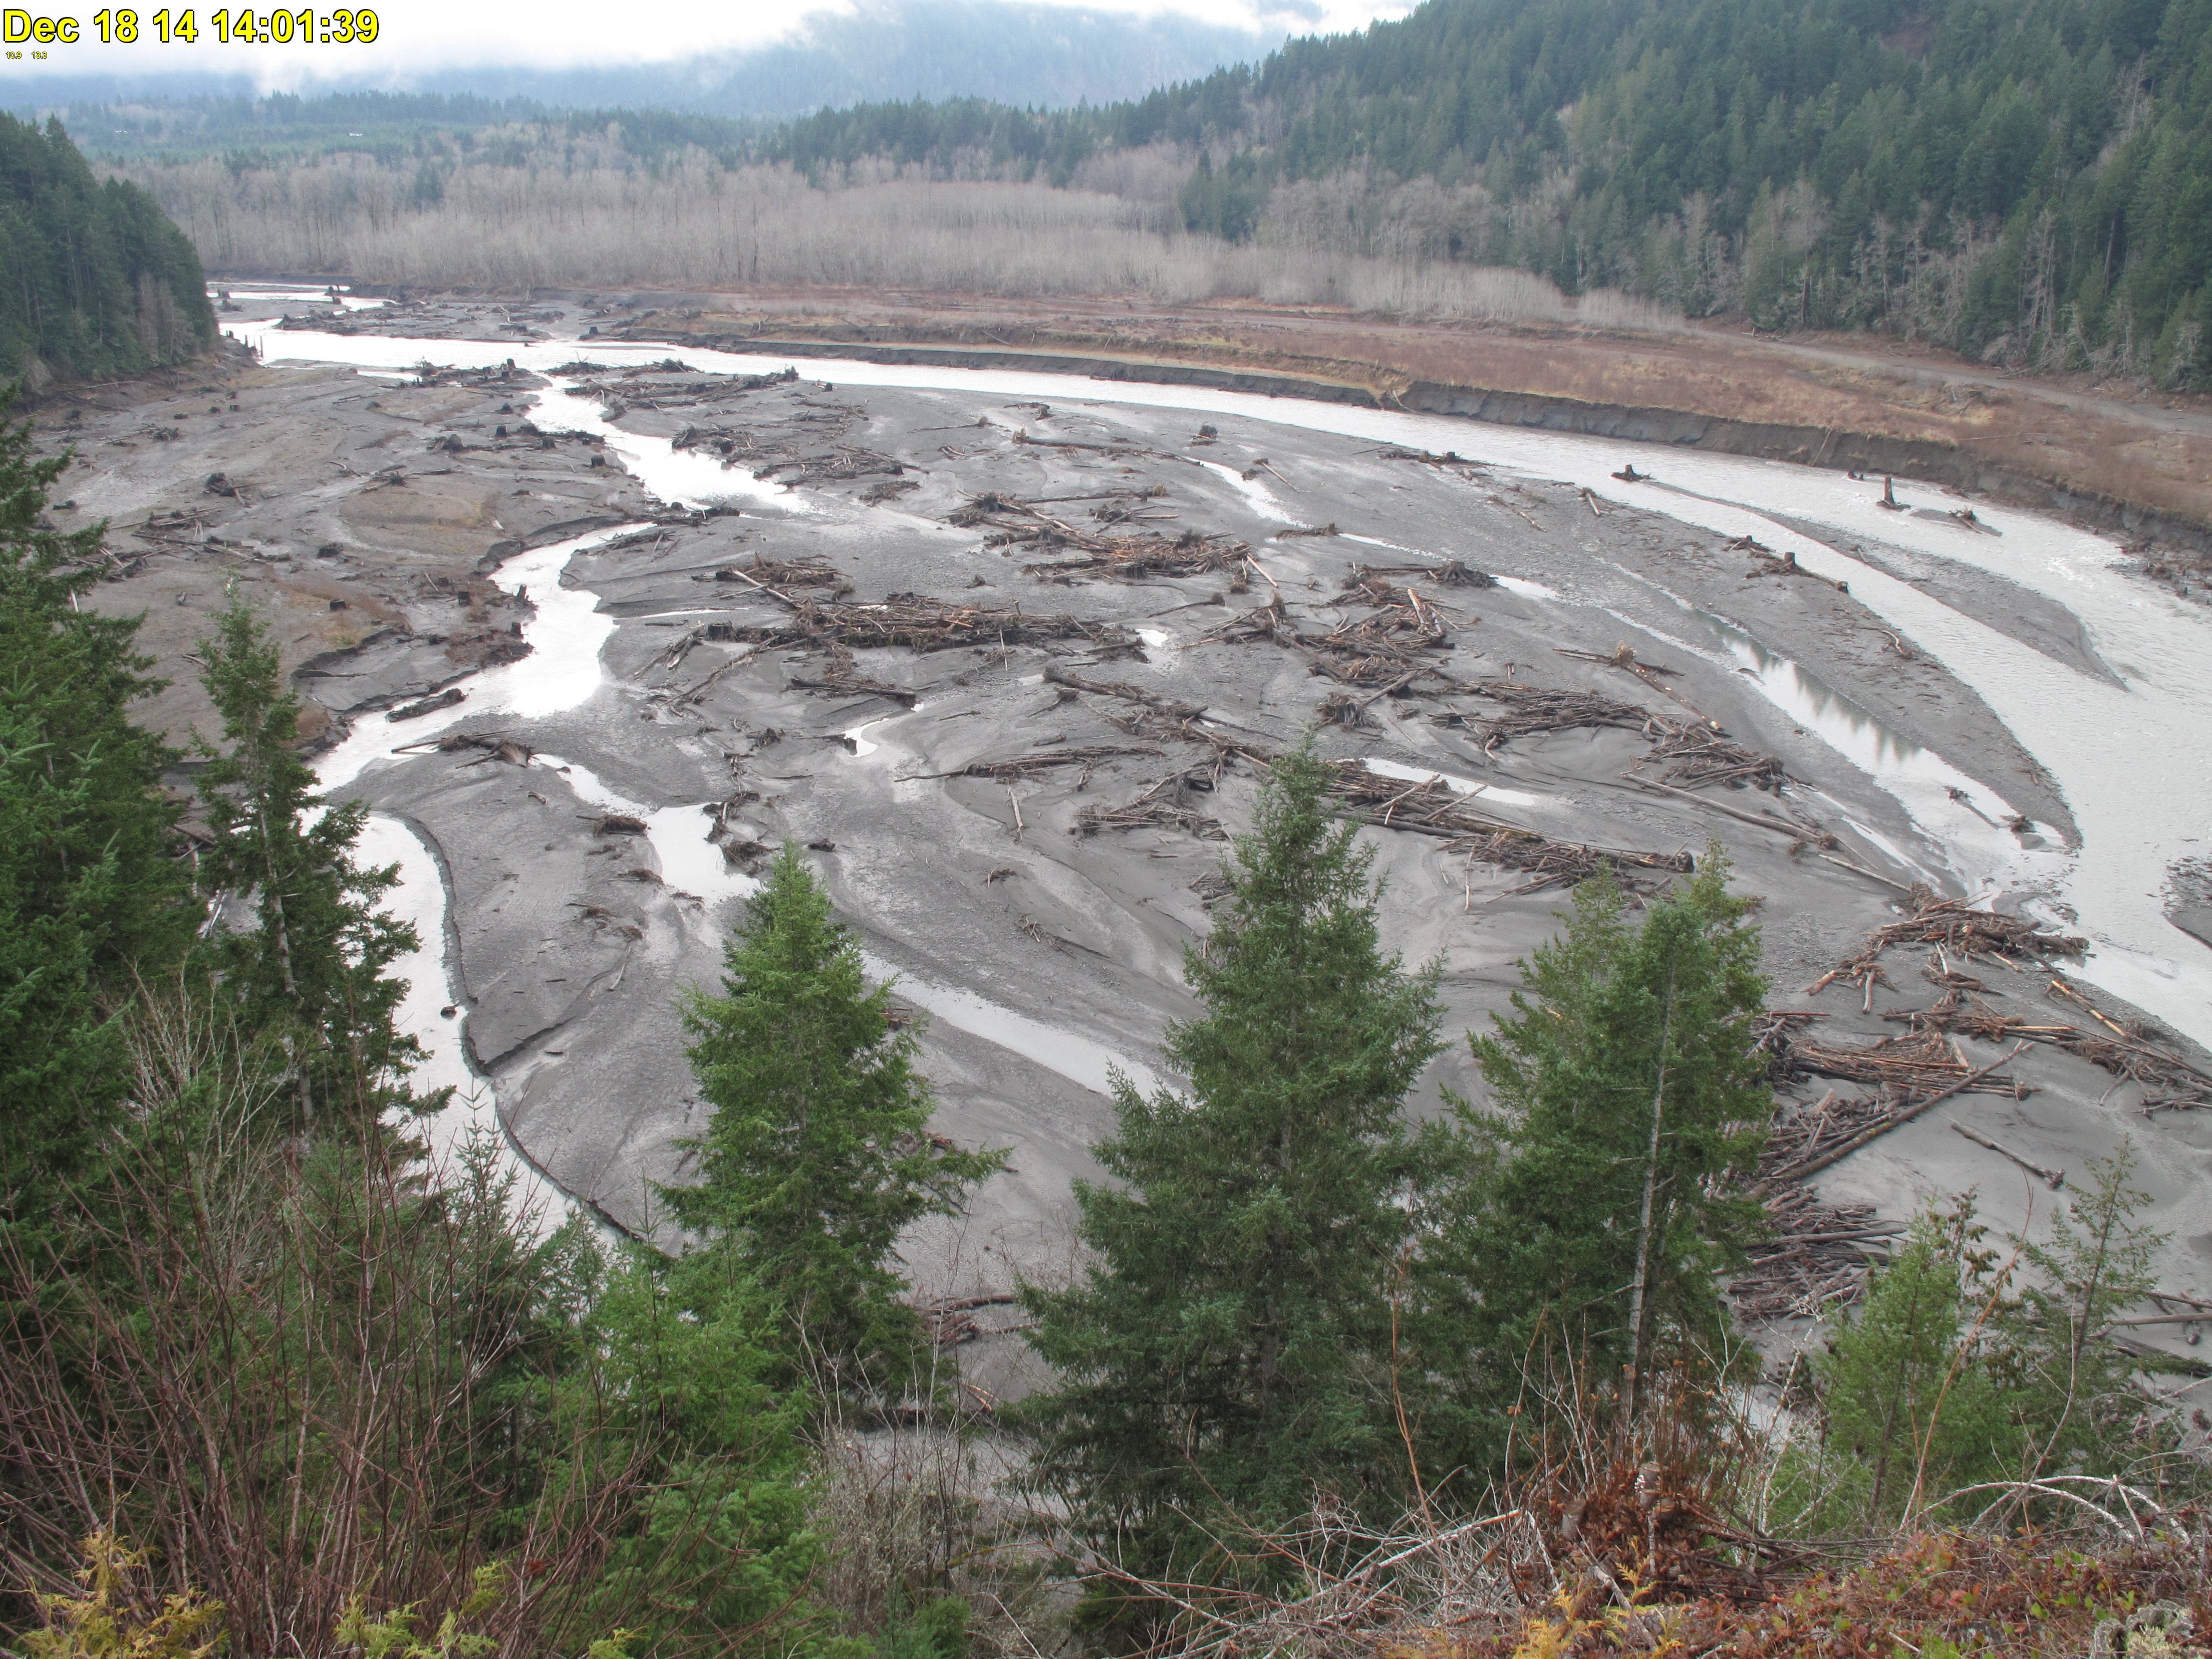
{"type": "Point", "coordinates": [417, 36]}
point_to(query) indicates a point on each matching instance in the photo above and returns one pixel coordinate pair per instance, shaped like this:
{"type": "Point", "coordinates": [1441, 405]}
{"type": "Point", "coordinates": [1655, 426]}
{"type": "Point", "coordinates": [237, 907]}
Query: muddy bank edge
{"type": "Point", "coordinates": [1929, 461]}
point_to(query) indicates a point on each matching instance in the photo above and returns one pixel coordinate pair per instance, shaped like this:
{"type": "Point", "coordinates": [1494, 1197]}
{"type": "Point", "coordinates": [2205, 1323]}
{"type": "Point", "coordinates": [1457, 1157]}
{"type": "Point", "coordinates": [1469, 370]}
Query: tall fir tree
{"type": "Point", "coordinates": [1254, 1315]}
{"type": "Point", "coordinates": [1632, 1104]}
{"type": "Point", "coordinates": [311, 973]}
{"type": "Point", "coordinates": [818, 1153]}
{"type": "Point", "coordinates": [91, 893]}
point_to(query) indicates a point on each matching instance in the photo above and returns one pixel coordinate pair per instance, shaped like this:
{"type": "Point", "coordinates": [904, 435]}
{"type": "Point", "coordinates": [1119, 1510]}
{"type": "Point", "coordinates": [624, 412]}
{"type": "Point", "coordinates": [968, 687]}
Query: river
{"type": "Point", "coordinates": [2104, 744]}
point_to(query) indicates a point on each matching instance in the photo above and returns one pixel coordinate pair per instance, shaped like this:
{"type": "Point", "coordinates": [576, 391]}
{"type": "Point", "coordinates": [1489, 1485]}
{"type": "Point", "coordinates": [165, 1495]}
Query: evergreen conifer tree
{"type": "Point", "coordinates": [1908, 1383]}
{"type": "Point", "coordinates": [818, 1153]}
{"type": "Point", "coordinates": [89, 891]}
{"type": "Point", "coordinates": [311, 974]}
{"type": "Point", "coordinates": [2073, 1388]}
{"type": "Point", "coordinates": [1633, 1102]}
{"type": "Point", "coordinates": [1254, 1315]}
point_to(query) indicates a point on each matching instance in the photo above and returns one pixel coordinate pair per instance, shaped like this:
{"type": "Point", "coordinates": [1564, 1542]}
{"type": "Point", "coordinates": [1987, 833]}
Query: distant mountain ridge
{"type": "Point", "coordinates": [1003, 50]}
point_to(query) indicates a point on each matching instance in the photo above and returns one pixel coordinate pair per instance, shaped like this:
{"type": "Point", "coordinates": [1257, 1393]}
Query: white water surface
{"type": "Point", "coordinates": [1468, 787]}
{"type": "Point", "coordinates": [420, 898]}
{"type": "Point", "coordinates": [285, 292]}
{"type": "Point", "coordinates": [1261, 499]}
{"type": "Point", "coordinates": [2095, 739]}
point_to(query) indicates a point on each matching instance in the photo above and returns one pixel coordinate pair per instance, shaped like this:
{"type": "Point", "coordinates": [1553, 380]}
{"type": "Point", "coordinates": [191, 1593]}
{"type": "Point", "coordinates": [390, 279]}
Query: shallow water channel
{"type": "Point", "coordinates": [2132, 760]}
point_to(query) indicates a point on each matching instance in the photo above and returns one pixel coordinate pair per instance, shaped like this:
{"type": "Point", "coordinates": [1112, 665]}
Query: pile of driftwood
{"type": "Point", "coordinates": [1767, 562]}
{"type": "Point", "coordinates": [1149, 554]}
{"type": "Point", "coordinates": [1623, 657]}
{"type": "Point", "coordinates": [494, 747]}
{"type": "Point", "coordinates": [1702, 753]}
{"type": "Point", "coordinates": [1816, 1258]}
{"type": "Point", "coordinates": [1956, 930]}
{"type": "Point", "coordinates": [640, 389]}
{"type": "Point", "coordinates": [1450, 574]}
{"type": "Point", "coordinates": [1450, 457]}
{"type": "Point", "coordinates": [1164, 805]}
{"type": "Point", "coordinates": [1805, 1134]}
{"type": "Point", "coordinates": [802, 451]}
{"type": "Point", "coordinates": [1431, 808]}
{"type": "Point", "coordinates": [1379, 651]}
{"type": "Point", "coordinates": [918, 624]}
{"type": "Point", "coordinates": [1924, 1064]}
{"type": "Point", "coordinates": [1014, 522]}
{"type": "Point", "coordinates": [1019, 520]}
{"type": "Point", "coordinates": [841, 676]}
{"type": "Point", "coordinates": [843, 463]}
{"type": "Point", "coordinates": [761, 571]}
{"type": "Point", "coordinates": [429, 705]}
{"type": "Point", "coordinates": [1270, 621]}
{"type": "Point", "coordinates": [173, 531]}
{"type": "Point", "coordinates": [1528, 709]}
{"type": "Point", "coordinates": [1434, 808]}
{"type": "Point", "coordinates": [1087, 756]}
{"type": "Point", "coordinates": [949, 1322]}
{"type": "Point", "coordinates": [2168, 1080]}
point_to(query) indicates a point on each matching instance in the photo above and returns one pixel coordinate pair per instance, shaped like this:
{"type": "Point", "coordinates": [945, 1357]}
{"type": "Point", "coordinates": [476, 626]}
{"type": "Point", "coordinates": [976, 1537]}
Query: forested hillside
{"type": "Point", "coordinates": [93, 278]}
{"type": "Point", "coordinates": [2030, 180]}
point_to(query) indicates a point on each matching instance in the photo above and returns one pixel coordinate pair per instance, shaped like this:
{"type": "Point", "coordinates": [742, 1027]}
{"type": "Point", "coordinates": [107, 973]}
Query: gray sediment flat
{"type": "Point", "coordinates": [573, 945]}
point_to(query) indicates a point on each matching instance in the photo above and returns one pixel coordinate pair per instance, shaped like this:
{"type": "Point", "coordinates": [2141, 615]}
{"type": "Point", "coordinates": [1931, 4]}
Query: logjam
{"type": "Point", "coordinates": [2168, 1080]}
{"type": "Point", "coordinates": [1435, 808]}
{"type": "Point", "coordinates": [1957, 929]}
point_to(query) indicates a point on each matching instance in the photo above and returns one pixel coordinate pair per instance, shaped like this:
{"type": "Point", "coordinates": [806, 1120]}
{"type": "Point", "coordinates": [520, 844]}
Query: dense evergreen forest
{"type": "Point", "coordinates": [2029, 180]}
{"type": "Point", "coordinates": [286, 123]}
{"type": "Point", "coordinates": [93, 278]}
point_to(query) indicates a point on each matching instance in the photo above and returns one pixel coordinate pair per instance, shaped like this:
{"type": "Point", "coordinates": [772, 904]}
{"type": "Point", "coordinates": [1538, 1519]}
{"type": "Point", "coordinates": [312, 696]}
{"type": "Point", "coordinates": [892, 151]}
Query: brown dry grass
{"type": "Point", "coordinates": [2149, 450]}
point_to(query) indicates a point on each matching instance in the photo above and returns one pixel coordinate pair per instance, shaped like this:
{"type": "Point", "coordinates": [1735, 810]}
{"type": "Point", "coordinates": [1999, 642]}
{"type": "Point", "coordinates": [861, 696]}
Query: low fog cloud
{"type": "Point", "coordinates": [417, 36]}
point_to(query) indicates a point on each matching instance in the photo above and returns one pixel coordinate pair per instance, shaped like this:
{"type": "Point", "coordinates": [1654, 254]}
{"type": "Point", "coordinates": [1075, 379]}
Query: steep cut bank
{"type": "Point", "coordinates": [2138, 464]}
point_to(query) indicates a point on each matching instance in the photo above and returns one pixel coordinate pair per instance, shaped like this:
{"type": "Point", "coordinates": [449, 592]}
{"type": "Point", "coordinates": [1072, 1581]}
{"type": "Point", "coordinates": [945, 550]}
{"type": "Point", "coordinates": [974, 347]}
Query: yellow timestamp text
{"type": "Point", "coordinates": [118, 26]}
